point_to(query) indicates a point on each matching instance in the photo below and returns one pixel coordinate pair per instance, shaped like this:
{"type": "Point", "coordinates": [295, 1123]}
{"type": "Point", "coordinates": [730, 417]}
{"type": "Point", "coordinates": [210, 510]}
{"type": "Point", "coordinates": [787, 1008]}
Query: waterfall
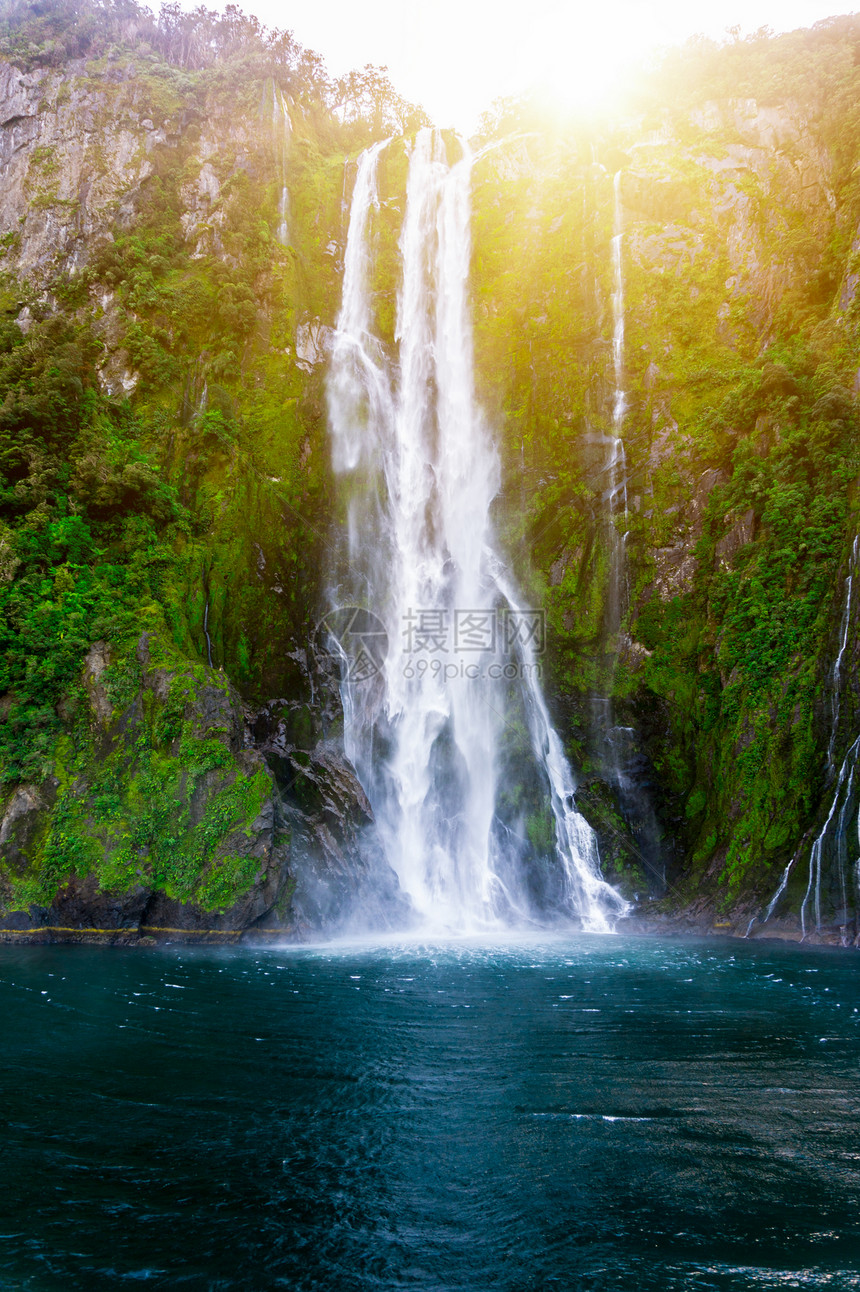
{"type": "Point", "coordinates": [832, 839]}
{"type": "Point", "coordinates": [457, 682]}
{"type": "Point", "coordinates": [206, 632]}
{"type": "Point", "coordinates": [618, 750]}
{"type": "Point", "coordinates": [836, 679]}
{"type": "Point", "coordinates": [616, 465]}
{"type": "Point", "coordinates": [282, 129]}
{"type": "Point", "coordinates": [843, 799]}
{"type": "Point", "coordinates": [612, 468]}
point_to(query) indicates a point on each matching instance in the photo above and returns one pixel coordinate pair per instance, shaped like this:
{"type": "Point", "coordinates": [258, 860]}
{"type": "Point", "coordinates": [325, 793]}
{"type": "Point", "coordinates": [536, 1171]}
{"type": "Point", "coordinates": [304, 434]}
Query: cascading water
{"type": "Point", "coordinates": [426, 729]}
{"type": "Point", "coordinates": [618, 460]}
{"type": "Point", "coordinates": [613, 484]}
{"type": "Point", "coordinates": [832, 842]}
{"type": "Point", "coordinates": [615, 465]}
{"type": "Point", "coordinates": [836, 680]}
{"type": "Point", "coordinates": [617, 749]}
{"type": "Point", "coordinates": [283, 129]}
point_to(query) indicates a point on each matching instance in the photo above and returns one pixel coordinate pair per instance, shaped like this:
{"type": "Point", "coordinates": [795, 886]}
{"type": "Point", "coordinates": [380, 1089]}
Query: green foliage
{"type": "Point", "coordinates": [208, 492]}
{"type": "Point", "coordinates": [368, 98]}
{"type": "Point", "coordinates": [128, 809]}
{"type": "Point", "coordinates": [88, 525]}
{"type": "Point", "coordinates": [739, 361]}
{"type": "Point", "coordinates": [540, 831]}
{"type": "Point", "coordinates": [741, 673]}
{"type": "Point", "coordinates": [225, 51]}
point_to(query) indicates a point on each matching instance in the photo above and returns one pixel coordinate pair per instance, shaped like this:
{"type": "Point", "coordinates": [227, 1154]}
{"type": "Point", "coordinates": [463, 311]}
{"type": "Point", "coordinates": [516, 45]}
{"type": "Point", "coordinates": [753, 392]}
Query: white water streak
{"type": "Point", "coordinates": [283, 129]}
{"type": "Point", "coordinates": [836, 681]}
{"type": "Point", "coordinates": [425, 472]}
{"type": "Point", "coordinates": [616, 464]}
{"type": "Point", "coordinates": [815, 868]}
{"type": "Point", "coordinates": [620, 401]}
{"type": "Point", "coordinates": [595, 902]}
{"type": "Point", "coordinates": [779, 892]}
{"type": "Point", "coordinates": [847, 800]}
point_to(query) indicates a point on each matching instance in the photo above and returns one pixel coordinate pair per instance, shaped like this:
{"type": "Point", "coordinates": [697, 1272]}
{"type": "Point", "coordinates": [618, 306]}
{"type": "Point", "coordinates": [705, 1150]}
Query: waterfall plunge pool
{"type": "Point", "coordinates": [601, 1113]}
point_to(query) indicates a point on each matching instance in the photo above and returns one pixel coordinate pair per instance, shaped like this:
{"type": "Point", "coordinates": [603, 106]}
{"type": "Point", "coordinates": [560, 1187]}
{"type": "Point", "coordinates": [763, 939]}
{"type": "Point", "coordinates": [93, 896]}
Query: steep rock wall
{"type": "Point", "coordinates": [741, 448]}
{"type": "Point", "coordinates": [166, 471]}
{"type": "Point", "coordinates": [140, 204]}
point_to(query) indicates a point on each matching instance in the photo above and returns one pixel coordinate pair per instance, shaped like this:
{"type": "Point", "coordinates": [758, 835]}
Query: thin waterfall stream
{"type": "Point", "coordinates": [615, 469]}
{"type": "Point", "coordinates": [444, 713]}
{"type": "Point", "coordinates": [618, 459]}
{"type": "Point", "coordinates": [616, 748]}
{"type": "Point", "coordinates": [832, 840]}
{"type": "Point", "coordinates": [282, 127]}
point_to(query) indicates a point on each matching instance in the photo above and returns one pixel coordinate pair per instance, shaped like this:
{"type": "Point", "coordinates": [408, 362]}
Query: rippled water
{"type": "Point", "coordinates": [594, 1114]}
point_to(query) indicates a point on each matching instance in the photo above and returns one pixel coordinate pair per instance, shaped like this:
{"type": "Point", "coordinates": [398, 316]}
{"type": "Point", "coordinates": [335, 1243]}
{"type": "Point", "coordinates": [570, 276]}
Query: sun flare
{"type": "Point", "coordinates": [581, 61]}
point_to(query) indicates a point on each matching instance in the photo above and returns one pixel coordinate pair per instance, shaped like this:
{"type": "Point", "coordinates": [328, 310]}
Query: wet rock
{"type": "Point", "coordinates": [661, 198]}
{"type": "Point", "coordinates": [313, 344]}
{"type": "Point", "coordinates": [741, 531]}
{"type": "Point", "coordinates": [95, 664]}
{"type": "Point", "coordinates": [632, 654]}
{"type": "Point", "coordinates": [339, 874]}
{"type": "Point", "coordinates": [176, 708]}
{"type": "Point", "coordinates": [674, 569]}
{"type": "Point", "coordinates": [23, 821]}
{"type": "Point", "coordinates": [695, 509]}
{"type": "Point", "coordinates": [557, 571]}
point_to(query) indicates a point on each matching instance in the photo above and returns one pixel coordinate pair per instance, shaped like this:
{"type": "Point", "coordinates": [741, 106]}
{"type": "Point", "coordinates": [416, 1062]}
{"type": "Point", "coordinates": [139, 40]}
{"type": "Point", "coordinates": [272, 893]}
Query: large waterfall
{"type": "Point", "coordinates": [445, 720]}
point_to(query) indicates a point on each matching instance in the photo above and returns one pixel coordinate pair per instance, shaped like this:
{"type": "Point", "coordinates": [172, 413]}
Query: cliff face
{"type": "Point", "coordinates": [171, 243]}
{"type": "Point", "coordinates": [74, 151]}
{"type": "Point", "coordinates": [145, 258]}
{"type": "Point", "coordinates": [738, 225]}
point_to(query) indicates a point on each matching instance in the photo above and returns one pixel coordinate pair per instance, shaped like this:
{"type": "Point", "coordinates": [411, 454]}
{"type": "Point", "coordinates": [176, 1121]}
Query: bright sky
{"type": "Point", "coordinates": [456, 56]}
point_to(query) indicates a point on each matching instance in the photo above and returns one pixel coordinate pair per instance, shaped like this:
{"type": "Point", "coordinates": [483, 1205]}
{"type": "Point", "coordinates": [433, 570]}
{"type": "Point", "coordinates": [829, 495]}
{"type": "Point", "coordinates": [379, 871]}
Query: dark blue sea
{"type": "Point", "coordinates": [595, 1113]}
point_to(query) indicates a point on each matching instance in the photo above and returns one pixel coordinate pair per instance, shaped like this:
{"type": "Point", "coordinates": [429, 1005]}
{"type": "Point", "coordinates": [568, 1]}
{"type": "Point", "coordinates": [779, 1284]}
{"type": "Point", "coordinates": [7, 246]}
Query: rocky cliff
{"type": "Point", "coordinates": [171, 234]}
{"type": "Point", "coordinates": [738, 222]}
{"type": "Point", "coordinates": [165, 496]}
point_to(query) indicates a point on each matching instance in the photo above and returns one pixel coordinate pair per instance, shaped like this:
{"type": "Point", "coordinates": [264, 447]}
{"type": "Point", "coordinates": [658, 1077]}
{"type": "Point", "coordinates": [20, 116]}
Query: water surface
{"type": "Point", "coordinates": [591, 1113]}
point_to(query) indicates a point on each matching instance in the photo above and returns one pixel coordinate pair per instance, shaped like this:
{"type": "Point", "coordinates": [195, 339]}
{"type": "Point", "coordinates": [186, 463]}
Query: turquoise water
{"type": "Point", "coordinates": [595, 1113]}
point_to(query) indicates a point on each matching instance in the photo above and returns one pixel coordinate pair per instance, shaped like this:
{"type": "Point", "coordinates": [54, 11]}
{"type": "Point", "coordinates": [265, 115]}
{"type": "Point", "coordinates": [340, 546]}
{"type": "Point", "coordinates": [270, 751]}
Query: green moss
{"type": "Point", "coordinates": [226, 879]}
{"type": "Point", "coordinates": [153, 799]}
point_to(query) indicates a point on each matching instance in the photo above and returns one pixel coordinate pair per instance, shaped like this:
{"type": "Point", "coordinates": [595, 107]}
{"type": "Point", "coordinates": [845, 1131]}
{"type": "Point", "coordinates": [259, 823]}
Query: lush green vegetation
{"type": "Point", "coordinates": [741, 429]}
{"type": "Point", "coordinates": [163, 465]}
{"type": "Point", "coordinates": [88, 532]}
{"type": "Point", "coordinates": [162, 460]}
{"type": "Point", "coordinates": [151, 794]}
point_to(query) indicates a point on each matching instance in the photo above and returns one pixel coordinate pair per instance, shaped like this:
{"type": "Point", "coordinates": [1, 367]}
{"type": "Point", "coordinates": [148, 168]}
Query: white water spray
{"type": "Point", "coordinates": [612, 739]}
{"type": "Point", "coordinates": [620, 400]}
{"type": "Point", "coordinates": [283, 129]}
{"type": "Point", "coordinates": [426, 734]}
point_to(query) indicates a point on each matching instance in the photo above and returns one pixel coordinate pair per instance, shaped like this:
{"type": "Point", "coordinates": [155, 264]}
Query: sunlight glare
{"type": "Point", "coordinates": [583, 59]}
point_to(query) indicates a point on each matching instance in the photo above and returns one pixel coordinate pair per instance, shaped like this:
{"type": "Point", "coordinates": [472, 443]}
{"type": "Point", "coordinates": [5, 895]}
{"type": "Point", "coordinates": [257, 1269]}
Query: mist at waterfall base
{"type": "Point", "coordinates": [472, 796]}
{"type": "Point", "coordinates": [604, 1114]}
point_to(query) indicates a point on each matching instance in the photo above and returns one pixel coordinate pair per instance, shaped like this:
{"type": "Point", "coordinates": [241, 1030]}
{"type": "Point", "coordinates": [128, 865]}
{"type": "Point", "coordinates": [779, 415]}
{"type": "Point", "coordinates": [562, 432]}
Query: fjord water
{"type": "Point", "coordinates": [593, 1113]}
{"type": "Point", "coordinates": [419, 473]}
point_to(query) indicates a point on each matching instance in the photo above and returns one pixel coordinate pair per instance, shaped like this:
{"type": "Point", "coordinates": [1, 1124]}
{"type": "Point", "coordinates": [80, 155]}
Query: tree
{"type": "Point", "coordinates": [369, 96]}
